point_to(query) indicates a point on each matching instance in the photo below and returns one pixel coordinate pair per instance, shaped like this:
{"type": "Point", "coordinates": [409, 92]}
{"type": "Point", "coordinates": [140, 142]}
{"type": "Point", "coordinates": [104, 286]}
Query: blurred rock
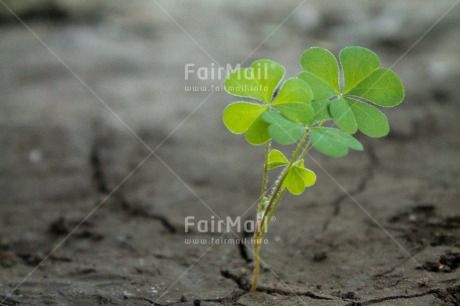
{"type": "Point", "coordinates": [444, 63]}
{"type": "Point", "coordinates": [390, 22]}
{"type": "Point", "coordinates": [308, 17]}
{"type": "Point", "coordinates": [28, 9]}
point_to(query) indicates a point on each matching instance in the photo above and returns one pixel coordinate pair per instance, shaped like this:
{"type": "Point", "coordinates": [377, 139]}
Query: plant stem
{"type": "Point", "coordinates": [278, 200]}
{"type": "Point", "coordinates": [259, 214]}
{"type": "Point", "coordinates": [276, 196]}
{"type": "Point", "coordinates": [264, 181]}
{"type": "Point", "coordinates": [305, 150]}
{"type": "Point", "coordinates": [258, 233]}
{"type": "Point", "coordinates": [255, 277]}
{"type": "Point", "coordinates": [310, 144]}
{"type": "Point", "coordinates": [283, 176]}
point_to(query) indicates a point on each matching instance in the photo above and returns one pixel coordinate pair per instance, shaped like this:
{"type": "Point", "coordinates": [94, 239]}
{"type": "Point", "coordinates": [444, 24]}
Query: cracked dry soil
{"type": "Point", "coordinates": [392, 240]}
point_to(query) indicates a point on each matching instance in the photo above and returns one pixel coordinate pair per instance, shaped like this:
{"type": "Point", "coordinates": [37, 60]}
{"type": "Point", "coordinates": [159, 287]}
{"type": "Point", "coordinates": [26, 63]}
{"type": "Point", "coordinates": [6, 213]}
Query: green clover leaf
{"type": "Point", "coordinates": [242, 117]}
{"type": "Point", "coordinates": [370, 120]}
{"type": "Point", "coordinates": [320, 111]}
{"type": "Point", "coordinates": [281, 129]}
{"type": "Point", "coordinates": [291, 106]}
{"type": "Point", "coordinates": [294, 111]}
{"type": "Point", "coordinates": [357, 64]}
{"type": "Point", "coordinates": [258, 133]}
{"type": "Point", "coordinates": [333, 142]}
{"type": "Point", "coordinates": [293, 101]}
{"type": "Point", "coordinates": [364, 80]}
{"type": "Point", "coordinates": [276, 159]}
{"type": "Point", "coordinates": [322, 69]}
{"type": "Point", "coordinates": [343, 115]}
{"type": "Point", "coordinates": [298, 178]}
{"type": "Point", "coordinates": [259, 81]}
{"type": "Point", "coordinates": [383, 87]}
{"type": "Point", "coordinates": [294, 90]}
{"type": "Point", "coordinates": [239, 116]}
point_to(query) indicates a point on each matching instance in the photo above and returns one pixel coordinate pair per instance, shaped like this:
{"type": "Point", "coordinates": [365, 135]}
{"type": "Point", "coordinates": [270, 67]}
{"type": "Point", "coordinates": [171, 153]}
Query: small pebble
{"type": "Point", "coordinates": [320, 256]}
{"type": "Point", "coordinates": [126, 295]}
{"type": "Point", "coordinates": [423, 282]}
{"type": "Point", "coordinates": [35, 156]}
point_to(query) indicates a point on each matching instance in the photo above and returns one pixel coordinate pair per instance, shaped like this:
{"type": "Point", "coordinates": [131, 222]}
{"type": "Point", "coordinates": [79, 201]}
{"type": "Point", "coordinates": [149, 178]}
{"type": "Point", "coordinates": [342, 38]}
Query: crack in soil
{"type": "Point", "coordinates": [422, 226]}
{"type": "Point", "coordinates": [228, 299]}
{"type": "Point", "coordinates": [98, 173]}
{"type": "Point", "coordinates": [100, 182]}
{"type": "Point", "coordinates": [142, 299]}
{"type": "Point", "coordinates": [447, 263]}
{"type": "Point", "coordinates": [7, 300]}
{"type": "Point", "coordinates": [232, 298]}
{"type": "Point", "coordinates": [243, 284]}
{"type": "Point", "coordinates": [361, 187]}
{"type": "Point", "coordinates": [243, 251]}
{"type": "Point", "coordinates": [448, 295]}
{"type": "Point", "coordinates": [420, 128]}
{"type": "Point", "coordinates": [278, 291]}
{"type": "Point", "coordinates": [243, 248]}
{"type": "Point", "coordinates": [240, 281]}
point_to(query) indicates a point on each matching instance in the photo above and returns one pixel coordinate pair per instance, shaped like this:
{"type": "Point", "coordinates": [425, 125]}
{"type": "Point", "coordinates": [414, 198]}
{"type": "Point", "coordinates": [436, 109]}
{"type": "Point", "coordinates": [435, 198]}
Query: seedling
{"type": "Point", "coordinates": [297, 110]}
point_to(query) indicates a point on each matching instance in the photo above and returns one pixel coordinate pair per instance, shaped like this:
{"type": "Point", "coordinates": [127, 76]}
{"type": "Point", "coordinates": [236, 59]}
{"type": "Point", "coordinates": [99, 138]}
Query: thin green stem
{"type": "Point", "coordinates": [309, 144]}
{"type": "Point", "coordinates": [261, 221]}
{"type": "Point", "coordinates": [265, 177]}
{"type": "Point", "coordinates": [278, 200]}
{"type": "Point", "coordinates": [257, 234]}
{"type": "Point", "coordinates": [321, 123]}
{"type": "Point", "coordinates": [255, 277]}
{"type": "Point", "coordinates": [275, 198]}
{"type": "Point", "coordinates": [305, 150]}
{"type": "Point", "coordinates": [283, 177]}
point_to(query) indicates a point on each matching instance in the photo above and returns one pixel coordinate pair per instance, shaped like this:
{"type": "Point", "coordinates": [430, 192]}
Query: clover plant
{"type": "Point", "coordinates": [297, 111]}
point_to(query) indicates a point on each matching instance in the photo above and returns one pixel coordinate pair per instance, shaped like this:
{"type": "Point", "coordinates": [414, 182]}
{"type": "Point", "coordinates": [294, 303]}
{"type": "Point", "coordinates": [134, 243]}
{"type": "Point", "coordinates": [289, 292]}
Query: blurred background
{"type": "Point", "coordinates": [96, 111]}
